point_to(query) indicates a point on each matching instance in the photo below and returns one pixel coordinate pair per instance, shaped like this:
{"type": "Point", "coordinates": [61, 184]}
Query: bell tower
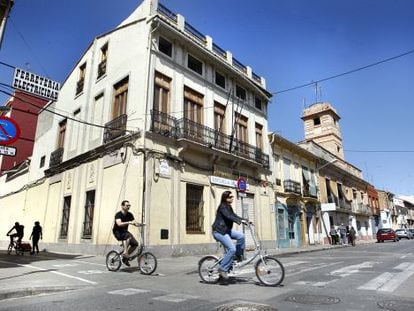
{"type": "Point", "coordinates": [321, 123]}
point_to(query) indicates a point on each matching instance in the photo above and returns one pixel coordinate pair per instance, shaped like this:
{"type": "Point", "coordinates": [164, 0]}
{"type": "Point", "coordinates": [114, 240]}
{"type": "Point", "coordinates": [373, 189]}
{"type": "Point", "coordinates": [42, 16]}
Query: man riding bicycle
{"type": "Point", "coordinates": [19, 233]}
{"type": "Point", "coordinates": [120, 230]}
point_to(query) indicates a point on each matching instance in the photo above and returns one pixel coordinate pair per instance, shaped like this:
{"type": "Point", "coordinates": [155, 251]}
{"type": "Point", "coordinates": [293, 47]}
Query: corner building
{"type": "Point", "coordinates": [160, 115]}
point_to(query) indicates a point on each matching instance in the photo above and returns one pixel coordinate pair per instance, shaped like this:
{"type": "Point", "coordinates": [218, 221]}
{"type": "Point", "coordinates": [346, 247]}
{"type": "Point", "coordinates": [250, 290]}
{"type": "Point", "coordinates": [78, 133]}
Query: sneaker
{"type": "Point", "coordinates": [223, 275]}
{"type": "Point", "coordinates": [125, 260]}
{"type": "Point", "coordinates": [238, 258]}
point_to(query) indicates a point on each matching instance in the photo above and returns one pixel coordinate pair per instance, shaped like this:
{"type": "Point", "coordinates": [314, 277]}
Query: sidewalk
{"type": "Point", "coordinates": [16, 281]}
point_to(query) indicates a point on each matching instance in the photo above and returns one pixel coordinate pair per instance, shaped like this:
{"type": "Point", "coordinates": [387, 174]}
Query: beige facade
{"type": "Point", "coordinates": [161, 116]}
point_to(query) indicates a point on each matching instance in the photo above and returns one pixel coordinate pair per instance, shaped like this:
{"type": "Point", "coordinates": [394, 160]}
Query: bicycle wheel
{"type": "Point", "coordinates": [270, 271]}
{"type": "Point", "coordinates": [113, 261]}
{"type": "Point", "coordinates": [208, 269]}
{"type": "Point", "coordinates": [147, 263]}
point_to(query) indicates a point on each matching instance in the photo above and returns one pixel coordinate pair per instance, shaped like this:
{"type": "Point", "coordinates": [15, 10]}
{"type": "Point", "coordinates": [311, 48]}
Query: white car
{"type": "Point", "coordinates": [404, 233]}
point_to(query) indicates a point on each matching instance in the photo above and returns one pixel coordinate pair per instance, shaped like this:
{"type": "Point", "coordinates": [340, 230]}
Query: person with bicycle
{"type": "Point", "coordinates": [224, 233]}
{"type": "Point", "coordinates": [19, 233]}
{"type": "Point", "coordinates": [123, 219]}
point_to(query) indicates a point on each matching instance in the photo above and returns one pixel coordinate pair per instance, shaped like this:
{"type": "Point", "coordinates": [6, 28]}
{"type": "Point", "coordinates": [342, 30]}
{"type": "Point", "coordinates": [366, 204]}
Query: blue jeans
{"type": "Point", "coordinates": [226, 241]}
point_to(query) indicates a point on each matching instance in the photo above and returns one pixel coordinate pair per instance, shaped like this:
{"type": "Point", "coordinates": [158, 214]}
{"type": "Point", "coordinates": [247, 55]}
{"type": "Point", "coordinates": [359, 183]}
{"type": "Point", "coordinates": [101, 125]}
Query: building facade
{"type": "Point", "coordinates": [159, 115]}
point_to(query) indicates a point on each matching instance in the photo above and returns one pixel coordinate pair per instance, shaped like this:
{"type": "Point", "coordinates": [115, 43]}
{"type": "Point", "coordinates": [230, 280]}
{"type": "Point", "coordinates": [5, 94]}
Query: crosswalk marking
{"type": "Point", "coordinates": [175, 297]}
{"type": "Point", "coordinates": [387, 281]}
{"type": "Point", "coordinates": [348, 270]}
{"type": "Point", "coordinates": [128, 291]}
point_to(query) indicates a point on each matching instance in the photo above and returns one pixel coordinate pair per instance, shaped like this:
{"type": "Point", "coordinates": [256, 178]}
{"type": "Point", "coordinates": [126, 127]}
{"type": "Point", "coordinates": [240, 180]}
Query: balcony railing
{"type": "Point", "coordinates": [167, 13]}
{"type": "Point", "coordinates": [219, 51]}
{"type": "Point", "coordinates": [194, 32]}
{"type": "Point", "coordinates": [239, 65]}
{"type": "Point", "coordinates": [101, 68]}
{"type": "Point", "coordinates": [115, 128]}
{"type": "Point", "coordinates": [56, 157]}
{"type": "Point", "coordinates": [184, 128]}
{"type": "Point", "coordinates": [292, 186]}
{"type": "Point", "coordinates": [361, 208]}
{"type": "Point", "coordinates": [344, 204]}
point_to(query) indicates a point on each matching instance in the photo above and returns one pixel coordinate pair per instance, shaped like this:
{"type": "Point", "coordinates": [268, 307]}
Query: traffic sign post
{"type": "Point", "coordinates": [9, 131]}
{"type": "Point", "coordinates": [241, 187]}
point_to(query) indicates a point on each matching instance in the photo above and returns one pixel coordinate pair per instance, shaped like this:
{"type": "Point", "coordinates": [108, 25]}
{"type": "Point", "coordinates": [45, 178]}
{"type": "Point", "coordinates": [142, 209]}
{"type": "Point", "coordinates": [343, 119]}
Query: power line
{"type": "Point", "coordinates": [344, 73]}
{"type": "Point", "coordinates": [381, 151]}
{"type": "Point", "coordinates": [64, 116]}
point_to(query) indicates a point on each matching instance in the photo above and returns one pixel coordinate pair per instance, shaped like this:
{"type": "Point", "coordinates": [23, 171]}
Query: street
{"type": "Point", "coordinates": [372, 276]}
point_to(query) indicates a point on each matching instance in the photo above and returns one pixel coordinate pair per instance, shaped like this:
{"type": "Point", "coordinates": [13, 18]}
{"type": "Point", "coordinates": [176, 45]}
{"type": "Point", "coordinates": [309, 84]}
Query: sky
{"type": "Point", "coordinates": [290, 43]}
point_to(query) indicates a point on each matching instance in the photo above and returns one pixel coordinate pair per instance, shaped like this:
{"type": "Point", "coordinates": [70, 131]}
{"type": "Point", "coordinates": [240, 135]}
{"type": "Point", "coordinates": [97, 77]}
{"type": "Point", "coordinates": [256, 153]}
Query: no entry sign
{"type": "Point", "coordinates": [9, 131]}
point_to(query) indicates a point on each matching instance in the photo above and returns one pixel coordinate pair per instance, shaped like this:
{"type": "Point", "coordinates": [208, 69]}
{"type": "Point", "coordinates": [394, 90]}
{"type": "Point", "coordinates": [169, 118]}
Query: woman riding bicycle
{"type": "Point", "coordinates": [224, 233]}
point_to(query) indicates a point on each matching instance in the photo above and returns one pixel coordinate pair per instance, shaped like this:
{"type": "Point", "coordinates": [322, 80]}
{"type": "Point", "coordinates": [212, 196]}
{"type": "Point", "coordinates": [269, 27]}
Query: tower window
{"type": "Point", "coordinates": [317, 121]}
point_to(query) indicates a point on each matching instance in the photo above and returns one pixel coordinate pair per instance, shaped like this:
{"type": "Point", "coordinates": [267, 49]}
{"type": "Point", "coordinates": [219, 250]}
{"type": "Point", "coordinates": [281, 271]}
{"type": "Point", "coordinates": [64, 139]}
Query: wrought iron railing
{"type": "Point", "coordinates": [292, 186]}
{"type": "Point", "coordinates": [167, 13]}
{"type": "Point", "coordinates": [194, 32]}
{"type": "Point", "coordinates": [344, 203]}
{"type": "Point", "coordinates": [56, 157]}
{"type": "Point", "coordinates": [115, 128]}
{"type": "Point", "coordinates": [239, 65]}
{"type": "Point", "coordinates": [219, 51]}
{"type": "Point", "coordinates": [184, 128]}
{"type": "Point", "coordinates": [101, 68]}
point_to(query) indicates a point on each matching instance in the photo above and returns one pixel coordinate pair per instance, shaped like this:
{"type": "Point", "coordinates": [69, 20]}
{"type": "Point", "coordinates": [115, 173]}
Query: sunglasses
{"type": "Point", "coordinates": [230, 197]}
{"type": "Point", "coordinates": [128, 205]}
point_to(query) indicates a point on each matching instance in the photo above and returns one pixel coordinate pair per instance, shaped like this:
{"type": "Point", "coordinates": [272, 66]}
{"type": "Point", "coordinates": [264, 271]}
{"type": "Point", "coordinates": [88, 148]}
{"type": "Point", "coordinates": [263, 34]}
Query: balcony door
{"type": "Point", "coordinates": [193, 113]}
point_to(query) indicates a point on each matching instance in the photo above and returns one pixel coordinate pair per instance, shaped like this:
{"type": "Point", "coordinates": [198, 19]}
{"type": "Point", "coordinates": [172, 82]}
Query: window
{"type": "Point", "coordinates": [64, 225]}
{"type": "Point", "coordinates": [259, 136]}
{"type": "Point", "coordinates": [88, 218]}
{"type": "Point", "coordinates": [193, 112]}
{"type": "Point", "coordinates": [286, 169]}
{"type": "Point", "coordinates": [194, 209]}
{"type": "Point", "coordinates": [258, 103]}
{"type": "Point", "coordinates": [219, 125]}
{"type": "Point", "coordinates": [42, 161]}
{"type": "Point", "coordinates": [317, 121]}
{"type": "Point", "coordinates": [241, 133]}
{"type": "Point", "coordinates": [62, 132]}
{"type": "Point", "coordinates": [102, 63]}
{"type": "Point", "coordinates": [120, 98]}
{"type": "Point", "coordinates": [165, 46]}
{"type": "Point", "coordinates": [240, 92]}
{"type": "Point", "coordinates": [195, 64]}
{"type": "Point", "coordinates": [161, 92]}
{"type": "Point", "coordinates": [81, 80]}
{"type": "Point", "coordinates": [220, 80]}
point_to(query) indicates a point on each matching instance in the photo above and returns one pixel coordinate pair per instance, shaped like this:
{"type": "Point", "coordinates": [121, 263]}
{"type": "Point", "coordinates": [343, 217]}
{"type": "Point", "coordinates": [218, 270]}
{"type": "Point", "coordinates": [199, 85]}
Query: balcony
{"type": "Point", "coordinates": [344, 204]}
{"type": "Point", "coordinates": [292, 186]}
{"type": "Point", "coordinates": [101, 68]}
{"type": "Point", "coordinates": [115, 128]}
{"type": "Point", "coordinates": [56, 157]}
{"type": "Point", "coordinates": [166, 125]}
{"type": "Point", "coordinates": [79, 86]}
{"type": "Point", "coordinates": [361, 208]}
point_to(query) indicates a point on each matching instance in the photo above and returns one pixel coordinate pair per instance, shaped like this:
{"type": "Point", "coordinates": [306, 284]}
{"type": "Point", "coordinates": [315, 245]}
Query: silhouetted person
{"type": "Point", "coordinates": [35, 236]}
{"type": "Point", "coordinates": [19, 233]}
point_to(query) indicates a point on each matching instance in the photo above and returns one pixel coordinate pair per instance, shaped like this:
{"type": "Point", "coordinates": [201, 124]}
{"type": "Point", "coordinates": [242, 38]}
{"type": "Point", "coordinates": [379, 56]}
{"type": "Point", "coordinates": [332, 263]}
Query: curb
{"type": "Point", "coordinates": [33, 291]}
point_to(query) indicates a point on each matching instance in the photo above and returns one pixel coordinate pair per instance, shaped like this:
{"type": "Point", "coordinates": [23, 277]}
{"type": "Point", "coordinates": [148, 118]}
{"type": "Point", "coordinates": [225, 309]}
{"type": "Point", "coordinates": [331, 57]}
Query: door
{"type": "Point", "coordinates": [247, 211]}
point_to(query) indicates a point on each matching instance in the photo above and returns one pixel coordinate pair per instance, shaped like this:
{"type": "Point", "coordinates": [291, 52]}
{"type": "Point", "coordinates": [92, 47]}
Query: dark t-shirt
{"type": "Point", "coordinates": [124, 218]}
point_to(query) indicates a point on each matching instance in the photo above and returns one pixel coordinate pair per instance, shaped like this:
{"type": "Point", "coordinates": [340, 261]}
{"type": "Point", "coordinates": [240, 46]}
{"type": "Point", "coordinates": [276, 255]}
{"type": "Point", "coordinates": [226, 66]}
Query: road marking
{"type": "Point", "coordinates": [294, 263]}
{"type": "Point", "coordinates": [175, 297]}
{"type": "Point", "coordinates": [318, 266]}
{"type": "Point", "coordinates": [128, 291]}
{"type": "Point", "coordinates": [60, 273]}
{"type": "Point", "coordinates": [389, 282]}
{"type": "Point", "coordinates": [346, 271]}
{"type": "Point", "coordinates": [90, 263]}
{"type": "Point", "coordinates": [379, 281]}
{"type": "Point", "coordinates": [65, 265]}
{"type": "Point", "coordinates": [92, 272]}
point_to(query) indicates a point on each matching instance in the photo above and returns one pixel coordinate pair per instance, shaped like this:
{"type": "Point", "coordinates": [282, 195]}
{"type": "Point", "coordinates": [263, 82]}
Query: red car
{"type": "Point", "coordinates": [387, 235]}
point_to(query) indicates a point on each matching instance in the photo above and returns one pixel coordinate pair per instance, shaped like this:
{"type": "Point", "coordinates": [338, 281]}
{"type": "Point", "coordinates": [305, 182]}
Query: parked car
{"type": "Point", "coordinates": [404, 233]}
{"type": "Point", "coordinates": [387, 234]}
{"type": "Point", "coordinates": [412, 231]}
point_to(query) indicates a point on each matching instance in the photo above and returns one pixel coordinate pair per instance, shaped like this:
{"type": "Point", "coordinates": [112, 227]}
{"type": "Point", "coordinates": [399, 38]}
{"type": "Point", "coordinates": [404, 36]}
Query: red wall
{"type": "Point", "coordinates": [24, 110]}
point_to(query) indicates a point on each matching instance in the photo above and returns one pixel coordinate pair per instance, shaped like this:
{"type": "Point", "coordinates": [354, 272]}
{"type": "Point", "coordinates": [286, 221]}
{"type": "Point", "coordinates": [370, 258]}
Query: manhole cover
{"type": "Point", "coordinates": [396, 305]}
{"type": "Point", "coordinates": [313, 299]}
{"type": "Point", "coordinates": [245, 307]}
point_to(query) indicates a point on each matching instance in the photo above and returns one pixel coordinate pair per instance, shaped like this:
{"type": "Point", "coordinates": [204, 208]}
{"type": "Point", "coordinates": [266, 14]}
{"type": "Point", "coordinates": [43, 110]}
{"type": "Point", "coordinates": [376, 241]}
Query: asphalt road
{"type": "Point", "coordinates": [367, 277]}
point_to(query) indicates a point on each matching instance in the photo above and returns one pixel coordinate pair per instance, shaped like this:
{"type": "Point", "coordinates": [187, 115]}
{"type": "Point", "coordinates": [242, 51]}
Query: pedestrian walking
{"type": "Point", "coordinates": [352, 236]}
{"type": "Point", "coordinates": [35, 236]}
{"type": "Point", "coordinates": [342, 233]}
{"type": "Point", "coordinates": [334, 236]}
